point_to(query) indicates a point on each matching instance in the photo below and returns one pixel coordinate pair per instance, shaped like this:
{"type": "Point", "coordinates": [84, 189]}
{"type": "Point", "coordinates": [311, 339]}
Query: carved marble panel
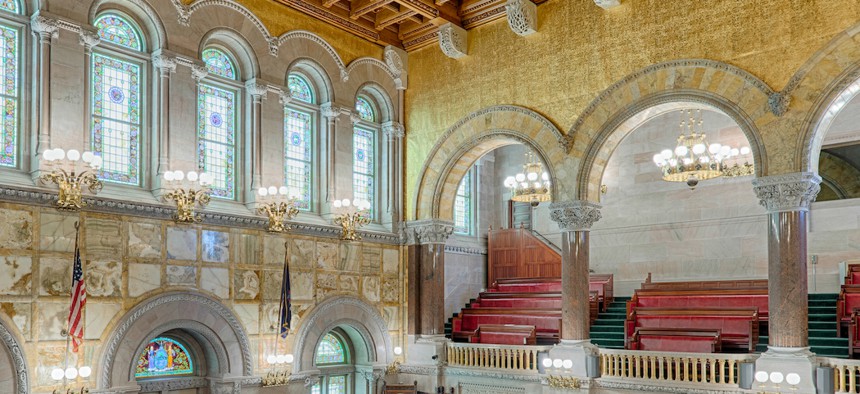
{"type": "Point", "coordinates": [55, 276]}
{"type": "Point", "coordinates": [247, 248]}
{"type": "Point", "coordinates": [57, 232]}
{"type": "Point", "coordinates": [178, 275]}
{"type": "Point", "coordinates": [249, 315]}
{"type": "Point", "coordinates": [181, 243]}
{"type": "Point", "coordinates": [327, 281]}
{"type": "Point", "coordinates": [302, 285]}
{"type": "Point", "coordinates": [215, 246]}
{"type": "Point", "coordinates": [52, 319]}
{"type": "Point", "coordinates": [98, 316]}
{"type": "Point", "coordinates": [104, 279]}
{"type": "Point", "coordinates": [49, 357]}
{"type": "Point", "coordinates": [216, 281]}
{"type": "Point", "coordinates": [16, 229]}
{"type": "Point", "coordinates": [371, 260]}
{"type": "Point", "coordinates": [270, 318]}
{"type": "Point", "coordinates": [246, 284]}
{"type": "Point", "coordinates": [327, 255]}
{"type": "Point", "coordinates": [143, 278]}
{"type": "Point", "coordinates": [370, 288]}
{"type": "Point", "coordinates": [348, 283]}
{"type": "Point", "coordinates": [390, 290]}
{"type": "Point", "coordinates": [104, 239]}
{"type": "Point", "coordinates": [144, 240]}
{"type": "Point", "coordinates": [350, 257]}
{"type": "Point", "coordinates": [17, 275]}
{"type": "Point", "coordinates": [390, 261]}
{"type": "Point", "coordinates": [21, 316]}
{"type": "Point", "coordinates": [391, 314]}
{"type": "Point", "coordinates": [274, 250]}
{"type": "Point", "coordinates": [272, 284]}
{"type": "Point", "coordinates": [302, 253]}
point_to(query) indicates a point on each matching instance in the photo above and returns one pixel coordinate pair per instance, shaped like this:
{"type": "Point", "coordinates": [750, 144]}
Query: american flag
{"type": "Point", "coordinates": [79, 300]}
{"type": "Point", "coordinates": [285, 312]}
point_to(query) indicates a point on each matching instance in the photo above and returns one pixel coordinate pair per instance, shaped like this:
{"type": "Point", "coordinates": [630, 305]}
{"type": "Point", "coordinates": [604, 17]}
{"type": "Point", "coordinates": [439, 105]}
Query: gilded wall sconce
{"type": "Point", "coordinates": [273, 202]}
{"type": "Point", "coordinates": [187, 192]}
{"type": "Point", "coordinates": [72, 171]}
{"type": "Point", "coordinates": [350, 217]}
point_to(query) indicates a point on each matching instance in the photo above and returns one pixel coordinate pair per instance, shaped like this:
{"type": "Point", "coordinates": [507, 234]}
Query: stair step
{"type": "Point", "coordinates": [614, 343]}
{"type": "Point", "coordinates": [828, 317]}
{"type": "Point", "coordinates": [830, 351]}
{"type": "Point", "coordinates": [836, 342]}
{"type": "Point", "coordinates": [607, 335]}
{"type": "Point", "coordinates": [615, 329]}
{"type": "Point", "coordinates": [822, 303]}
{"type": "Point", "coordinates": [823, 333]}
{"type": "Point", "coordinates": [823, 325]}
{"type": "Point", "coordinates": [823, 296]}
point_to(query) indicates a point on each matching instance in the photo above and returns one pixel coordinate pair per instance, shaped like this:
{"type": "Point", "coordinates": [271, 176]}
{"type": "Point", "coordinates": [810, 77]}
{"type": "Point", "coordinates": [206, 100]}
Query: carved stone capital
{"type": "Point", "coordinates": [397, 61]}
{"type": "Point", "coordinates": [787, 192]}
{"type": "Point", "coordinates": [89, 39]}
{"type": "Point", "coordinates": [575, 215]}
{"type": "Point", "coordinates": [355, 117]}
{"type": "Point", "coordinates": [607, 4]}
{"type": "Point", "coordinates": [427, 231]}
{"type": "Point", "coordinates": [165, 64]}
{"type": "Point", "coordinates": [198, 72]}
{"type": "Point", "coordinates": [47, 28]}
{"type": "Point", "coordinates": [778, 103]}
{"type": "Point", "coordinates": [522, 16]}
{"type": "Point", "coordinates": [284, 96]}
{"type": "Point", "coordinates": [332, 111]}
{"type": "Point", "coordinates": [393, 129]}
{"type": "Point", "coordinates": [256, 89]}
{"type": "Point", "coordinates": [452, 40]}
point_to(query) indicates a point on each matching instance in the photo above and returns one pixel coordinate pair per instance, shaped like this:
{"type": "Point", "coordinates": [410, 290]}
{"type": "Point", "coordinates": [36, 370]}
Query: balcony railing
{"type": "Point", "coordinates": [844, 374]}
{"type": "Point", "coordinates": [667, 368]}
{"type": "Point", "coordinates": [511, 358]}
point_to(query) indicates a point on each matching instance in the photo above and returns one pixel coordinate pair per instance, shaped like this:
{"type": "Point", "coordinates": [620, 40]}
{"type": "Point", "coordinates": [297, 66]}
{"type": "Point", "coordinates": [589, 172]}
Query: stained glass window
{"type": "Point", "coordinates": [10, 5]}
{"type": "Point", "coordinates": [216, 122]}
{"type": "Point", "coordinates": [118, 30]}
{"type": "Point", "coordinates": [116, 119]}
{"type": "Point", "coordinates": [330, 351]}
{"type": "Point", "coordinates": [364, 167]}
{"type": "Point", "coordinates": [163, 357]}
{"type": "Point", "coordinates": [316, 389]}
{"type": "Point", "coordinates": [300, 89]}
{"type": "Point", "coordinates": [463, 205]}
{"type": "Point", "coordinates": [9, 94]}
{"type": "Point", "coordinates": [298, 145]}
{"type": "Point", "coordinates": [337, 384]}
{"type": "Point", "coordinates": [364, 109]}
{"type": "Point", "coordinates": [218, 63]}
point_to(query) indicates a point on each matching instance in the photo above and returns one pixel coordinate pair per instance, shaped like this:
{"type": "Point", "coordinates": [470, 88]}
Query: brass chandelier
{"type": "Point", "coordinates": [532, 185]}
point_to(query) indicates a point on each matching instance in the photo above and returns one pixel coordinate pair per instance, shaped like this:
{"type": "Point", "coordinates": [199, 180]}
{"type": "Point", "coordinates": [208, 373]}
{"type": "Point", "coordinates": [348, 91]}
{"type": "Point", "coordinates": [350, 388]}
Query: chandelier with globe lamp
{"type": "Point", "coordinates": [532, 185]}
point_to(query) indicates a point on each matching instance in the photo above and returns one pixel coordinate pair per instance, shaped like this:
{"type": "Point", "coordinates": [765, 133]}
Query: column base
{"type": "Point", "coordinates": [787, 360]}
{"type": "Point", "coordinates": [578, 352]}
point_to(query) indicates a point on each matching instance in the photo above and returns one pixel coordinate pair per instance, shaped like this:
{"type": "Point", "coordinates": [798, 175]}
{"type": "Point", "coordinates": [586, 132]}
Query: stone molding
{"type": "Point", "coordinates": [629, 384]}
{"type": "Point", "coordinates": [145, 7]}
{"type": "Point", "coordinates": [607, 4]}
{"type": "Point", "coordinates": [198, 328]}
{"type": "Point", "coordinates": [465, 250]}
{"type": "Point", "coordinates": [575, 215]}
{"type": "Point", "coordinates": [370, 62]}
{"type": "Point", "coordinates": [490, 374]}
{"type": "Point", "coordinates": [198, 72]}
{"type": "Point", "coordinates": [285, 96]}
{"type": "Point", "coordinates": [130, 319]}
{"type": "Point", "coordinates": [344, 75]}
{"type": "Point", "coordinates": [393, 130]}
{"type": "Point", "coordinates": [522, 16]}
{"type": "Point", "coordinates": [427, 370]}
{"type": "Point", "coordinates": [787, 192]}
{"type": "Point", "coordinates": [172, 384]}
{"type": "Point", "coordinates": [331, 110]}
{"type": "Point", "coordinates": [452, 40]}
{"type": "Point", "coordinates": [427, 231]}
{"type": "Point", "coordinates": [18, 360]}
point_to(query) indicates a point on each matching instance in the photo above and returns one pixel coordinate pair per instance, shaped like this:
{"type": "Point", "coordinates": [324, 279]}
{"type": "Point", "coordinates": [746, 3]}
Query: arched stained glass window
{"type": "Point", "coordinates": [218, 63]}
{"type": "Point", "coordinates": [10, 5]}
{"type": "Point", "coordinates": [9, 93]}
{"type": "Point", "coordinates": [298, 160]}
{"type": "Point", "coordinates": [364, 167]}
{"type": "Point", "coordinates": [300, 89]}
{"type": "Point", "coordinates": [365, 110]}
{"type": "Point", "coordinates": [216, 137]}
{"type": "Point", "coordinates": [116, 118]}
{"type": "Point", "coordinates": [330, 351]}
{"type": "Point", "coordinates": [163, 357]}
{"type": "Point", "coordinates": [463, 205]}
{"type": "Point", "coordinates": [118, 30]}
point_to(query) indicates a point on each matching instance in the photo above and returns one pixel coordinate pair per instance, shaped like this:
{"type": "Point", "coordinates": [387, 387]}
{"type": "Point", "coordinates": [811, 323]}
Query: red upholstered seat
{"type": "Point", "coordinates": [505, 334]}
{"type": "Point", "coordinates": [849, 299]}
{"type": "Point", "coordinates": [547, 323]}
{"type": "Point", "coordinates": [671, 340]}
{"type": "Point", "coordinates": [702, 298]}
{"type": "Point", "coordinates": [738, 327]}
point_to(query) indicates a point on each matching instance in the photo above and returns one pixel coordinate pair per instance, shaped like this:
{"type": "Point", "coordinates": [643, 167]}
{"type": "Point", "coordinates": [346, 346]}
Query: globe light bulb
{"type": "Point", "coordinates": [97, 162]}
{"type": "Point", "coordinates": [557, 363]}
{"type": "Point", "coordinates": [398, 350]}
{"type": "Point", "coordinates": [289, 358]}
{"type": "Point", "coordinates": [87, 156]}
{"type": "Point", "coordinates": [547, 362]}
{"type": "Point", "coordinates": [520, 177]}
{"type": "Point", "coordinates": [48, 155]}
{"type": "Point", "coordinates": [178, 175]}
{"type": "Point", "coordinates": [532, 176]}
{"type": "Point", "coordinates": [792, 379]}
{"type": "Point", "coordinates": [85, 372]}
{"type": "Point", "coordinates": [345, 202]}
{"type": "Point", "coordinates": [57, 374]}
{"type": "Point", "coordinates": [273, 190]}
{"type": "Point", "coordinates": [735, 151]}
{"type": "Point", "coordinates": [715, 148]}
{"type": "Point", "coordinates": [674, 162]}
{"type": "Point", "coordinates": [283, 190]}
{"type": "Point", "coordinates": [71, 373]}
{"type": "Point", "coordinates": [537, 185]}
{"type": "Point", "coordinates": [776, 377]}
{"type": "Point", "coordinates": [725, 150]}
{"type": "Point", "coordinates": [510, 182]}
{"type": "Point", "coordinates": [59, 154]}
{"type": "Point", "coordinates": [666, 153]}
{"type": "Point", "coordinates": [545, 176]}
{"type": "Point", "coordinates": [73, 155]}
{"type": "Point", "coordinates": [761, 376]}
{"type": "Point", "coordinates": [680, 150]}
{"type": "Point", "coordinates": [567, 364]}
{"type": "Point", "coordinates": [205, 178]}
{"type": "Point", "coordinates": [337, 204]}
{"type": "Point", "coordinates": [192, 176]}
{"type": "Point", "coordinates": [745, 150]}
{"type": "Point", "coordinates": [658, 159]}
{"type": "Point", "coordinates": [169, 176]}
{"type": "Point", "coordinates": [698, 149]}
{"type": "Point", "coordinates": [282, 359]}
{"type": "Point", "coordinates": [688, 161]}
{"type": "Point", "coordinates": [271, 359]}
{"type": "Point", "coordinates": [263, 191]}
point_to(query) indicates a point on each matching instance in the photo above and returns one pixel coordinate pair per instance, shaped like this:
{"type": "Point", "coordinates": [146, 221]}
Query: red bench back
{"type": "Point", "coordinates": [666, 341]}
{"type": "Point", "coordinates": [706, 301]}
{"type": "Point", "coordinates": [554, 303]}
{"type": "Point", "coordinates": [849, 298]}
{"type": "Point", "coordinates": [542, 322]}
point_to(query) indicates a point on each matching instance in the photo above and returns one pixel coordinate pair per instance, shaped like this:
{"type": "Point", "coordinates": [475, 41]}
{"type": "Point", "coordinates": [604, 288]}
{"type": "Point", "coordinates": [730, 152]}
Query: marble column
{"type": "Point", "coordinates": [394, 136]}
{"type": "Point", "coordinates": [330, 113]}
{"type": "Point", "coordinates": [575, 219]}
{"type": "Point", "coordinates": [45, 30]}
{"type": "Point", "coordinates": [787, 199]}
{"type": "Point", "coordinates": [88, 39]}
{"type": "Point", "coordinates": [165, 67]}
{"type": "Point", "coordinates": [257, 90]}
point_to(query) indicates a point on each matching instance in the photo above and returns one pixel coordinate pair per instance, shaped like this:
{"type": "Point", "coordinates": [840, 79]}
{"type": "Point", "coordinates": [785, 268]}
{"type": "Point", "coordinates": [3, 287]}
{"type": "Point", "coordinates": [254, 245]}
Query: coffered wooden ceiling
{"type": "Point", "coordinates": [408, 24]}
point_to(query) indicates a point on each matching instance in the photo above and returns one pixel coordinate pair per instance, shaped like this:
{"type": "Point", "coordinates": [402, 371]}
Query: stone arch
{"type": "Point", "coordinates": [475, 135]}
{"type": "Point", "coordinates": [825, 83]}
{"type": "Point", "coordinates": [199, 315]}
{"type": "Point", "coordinates": [603, 144]}
{"type": "Point", "coordinates": [381, 100]}
{"type": "Point", "coordinates": [328, 51]}
{"type": "Point", "coordinates": [234, 44]}
{"type": "Point", "coordinates": [13, 364]}
{"type": "Point", "coordinates": [142, 13]}
{"type": "Point", "coordinates": [315, 74]}
{"type": "Point", "coordinates": [732, 90]}
{"type": "Point", "coordinates": [359, 319]}
{"type": "Point", "coordinates": [840, 175]}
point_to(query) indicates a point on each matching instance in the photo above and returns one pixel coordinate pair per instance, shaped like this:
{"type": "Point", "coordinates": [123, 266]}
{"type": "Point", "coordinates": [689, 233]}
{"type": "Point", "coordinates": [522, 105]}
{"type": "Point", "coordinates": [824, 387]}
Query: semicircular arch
{"type": "Point", "coordinates": [10, 342]}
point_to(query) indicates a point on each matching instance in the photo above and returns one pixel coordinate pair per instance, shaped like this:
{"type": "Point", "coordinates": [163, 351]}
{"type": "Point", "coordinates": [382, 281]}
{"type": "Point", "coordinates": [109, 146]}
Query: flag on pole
{"type": "Point", "coordinates": [79, 299]}
{"type": "Point", "coordinates": [286, 313]}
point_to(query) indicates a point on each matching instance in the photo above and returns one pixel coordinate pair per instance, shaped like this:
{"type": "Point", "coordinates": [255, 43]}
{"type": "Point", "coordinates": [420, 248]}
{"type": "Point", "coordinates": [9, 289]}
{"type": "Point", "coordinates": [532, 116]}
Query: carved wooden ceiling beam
{"type": "Point", "coordinates": [361, 7]}
{"type": "Point", "coordinates": [385, 18]}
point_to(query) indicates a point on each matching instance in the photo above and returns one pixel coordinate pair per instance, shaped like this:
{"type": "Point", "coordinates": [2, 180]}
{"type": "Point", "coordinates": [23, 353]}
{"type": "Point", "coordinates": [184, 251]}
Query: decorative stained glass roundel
{"type": "Point", "coordinates": [116, 94]}
{"type": "Point", "coordinates": [359, 154]}
{"type": "Point", "coordinates": [216, 119]}
{"type": "Point", "coordinates": [330, 351]}
{"type": "Point", "coordinates": [163, 357]}
{"type": "Point", "coordinates": [296, 139]}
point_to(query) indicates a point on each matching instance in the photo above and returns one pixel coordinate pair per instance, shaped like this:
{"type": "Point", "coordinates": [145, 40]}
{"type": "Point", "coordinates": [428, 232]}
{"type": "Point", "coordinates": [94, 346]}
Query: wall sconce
{"type": "Point", "coordinates": [187, 192]}
{"type": "Point", "coordinates": [71, 171]}
{"type": "Point", "coordinates": [272, 201]}
{"type": "Point", "coordinates": [776, 378]}
{"type": "Point", "coordinates": [71, 373]}
{"type": "Point", "coordinates": [351, 218]}
{"type": "Point", "coordinates": [274, 379]}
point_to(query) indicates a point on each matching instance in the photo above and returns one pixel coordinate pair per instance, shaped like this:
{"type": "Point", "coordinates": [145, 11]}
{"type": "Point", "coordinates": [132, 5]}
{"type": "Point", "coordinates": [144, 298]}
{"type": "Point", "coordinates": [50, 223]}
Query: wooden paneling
{"type": "Point", "coordinates": [516, 253]}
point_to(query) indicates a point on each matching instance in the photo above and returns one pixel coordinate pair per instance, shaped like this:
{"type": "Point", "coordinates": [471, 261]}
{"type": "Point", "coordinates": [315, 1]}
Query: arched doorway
{"type": "Point", "coordinates": [14, 377]}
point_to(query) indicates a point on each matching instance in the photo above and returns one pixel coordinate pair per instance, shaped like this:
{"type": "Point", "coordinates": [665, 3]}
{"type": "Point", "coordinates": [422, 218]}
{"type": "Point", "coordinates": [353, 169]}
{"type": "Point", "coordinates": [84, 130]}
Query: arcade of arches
{"type": "Point", "coordinates": [299, 98]}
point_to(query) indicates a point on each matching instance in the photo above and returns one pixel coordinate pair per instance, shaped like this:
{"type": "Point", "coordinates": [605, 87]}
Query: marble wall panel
{"type": "Point", "coordinates": [98, 316]}
{"type": "Point", "coordinates": [103, 239]}
{"type": "Point", "coordinates": [49, 357]}
{"type": "Point", "coordinates": [247, 249]}
{"type": "Point", "coordinates": [52, 319]}
{"type": "Point", "coordinates": [182, 243]}
{"type": "Point", "coordinates": [272, 284]}
{"type": "Point", "coordinates": [143, 278]}
{"type": "Point", "coordinates": [215, 281]}
{"type": "Point", "coordinates": [246, 284]}
{"type": "Point", "coordinates": [179, 275]}
{"type": "Point", "coordinates": [348, 283]}
{"type": "Point", "coordinates": [269, 323]}
{"type": "Point", "coordinates": [390, 261]}
{"type": "Point", "coordinates": [302, 285]}
{"type": "Point", "coordinates": [371, 259]}
{"type": "Point", "coordinates": [21, 315]}
{"type": "Point", "coordinates": [104, 279]}
{"type": "Point", "coordinates": [302, 253]}
{"type": "Point", "coordinates": [465, 276]}
{"type": "Point", "coordinates": [274, 249]}
{"type": "Point", "coordinates": [349, 258]}
{"type": "Point", "coordinates": [57, 232]}
{"type": "Point", "coordinates": [144, 240]}
{"type": "Point", "coordinates": [16, 229]}
{"type": "Point", "coordinates": [17, 275]}
{"type": "Point", "coordinates": [249, 315]}
{"type": "Point", "coordinates": [370, 288]}
{"type": "Point", "coordinates": [391, 315]}
{"type": "Point", "coordinates": [327, 255]}
{"type": "Point", "coordinates": [55, 276]}
{"type": "Point", "coordinates": [390, 290]}
{"type": "Point", "coordinates": [215, 246]}
{"type": "Point", "coordinates": [327, 281]}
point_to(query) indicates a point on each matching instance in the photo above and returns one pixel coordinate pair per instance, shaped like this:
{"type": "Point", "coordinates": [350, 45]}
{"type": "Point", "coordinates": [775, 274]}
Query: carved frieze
{"type": "Point", "coordinates": [787, 192]}
{"type": "Point", "coordinates": [522, 16]}
{"type": "Point", "coordinates": [430, 231]}
{"type": "Point", "coordinates": [778, 102]}
{"type": "Point", "coordinates": [18, 361]}
{"type": "Point", "coordinates": [452, 40]}
{"type": "Point", "coordinates": [575, 215]}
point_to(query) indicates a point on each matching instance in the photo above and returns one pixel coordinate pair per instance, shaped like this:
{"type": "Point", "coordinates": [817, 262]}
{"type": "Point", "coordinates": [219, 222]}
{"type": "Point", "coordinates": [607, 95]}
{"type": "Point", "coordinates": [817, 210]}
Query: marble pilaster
{"type": "Point", "coordinates": [45, 30]}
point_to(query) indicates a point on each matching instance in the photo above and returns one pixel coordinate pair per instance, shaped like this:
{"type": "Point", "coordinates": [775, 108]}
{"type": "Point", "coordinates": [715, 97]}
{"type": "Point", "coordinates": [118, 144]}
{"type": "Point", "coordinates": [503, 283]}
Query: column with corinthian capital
{"type": "Point", "coordinates": [787, 198]}
{"type": "Point", "coordinates": [45, 29]}
{"type": "Point", "coordinates": [575, 219]}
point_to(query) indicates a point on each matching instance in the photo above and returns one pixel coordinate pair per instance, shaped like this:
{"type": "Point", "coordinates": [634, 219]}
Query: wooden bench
{"type": "Point", "coordinates": [702, 298]}
{"type": "Point", "coordinates": [849, 299]}
{"type": "Point", "coordinates": [603, 284]}
{"type": "Point", "coordinates": [546, 322]}
{"type": "Point", "coordinates": [400, 388]}
{"type": "Point", "coordinates": [739, 327]}
{"type": "Point", "coordinates": [694, 340]}
{"type": "Point", "coordinates": [704, 284]}
{"type": "Point", "coordinates": [530, 300]}
{"type": "Point", "coordinates": [505, 334]}
{"type": "Point", "coordinates": [852, 274]}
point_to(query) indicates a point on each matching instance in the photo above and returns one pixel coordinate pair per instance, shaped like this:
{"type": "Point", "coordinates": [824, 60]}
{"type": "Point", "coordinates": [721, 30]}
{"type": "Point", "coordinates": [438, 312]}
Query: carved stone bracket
{"type": "Point", "coordinates": [575, 215]}
{"type": "Point", "coordinates": [428, 231]}
{"type": "Point", "coordinates": [397, 61]}
{"type": "Point", "coordinates": [607, 4]}
{"type": "Point", "coordinates": [331, 110]}
{"type": "Point", "coordinates": [47, 28]}
{"type": "Point", "coordinates": [285, 96]}
{"type": "Point", "coordinates": [198, 72]}
{"type": "Point", "coordinates": [778, 102]}
{"type": "Point", "coordinates": [787, 192]}
{"type": "Point", "coordinates": [164, 63]}
{"type": "Point", "coordinates": [522, 16]}
{"type": "Point", "coordinates": [89, 39]}
{"type": "Point", "coordinates": [394, 130]}
{"type": "Point", "coordinates": [452, 40]}
{"type": "Point", "coordinates": [256, 89]}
